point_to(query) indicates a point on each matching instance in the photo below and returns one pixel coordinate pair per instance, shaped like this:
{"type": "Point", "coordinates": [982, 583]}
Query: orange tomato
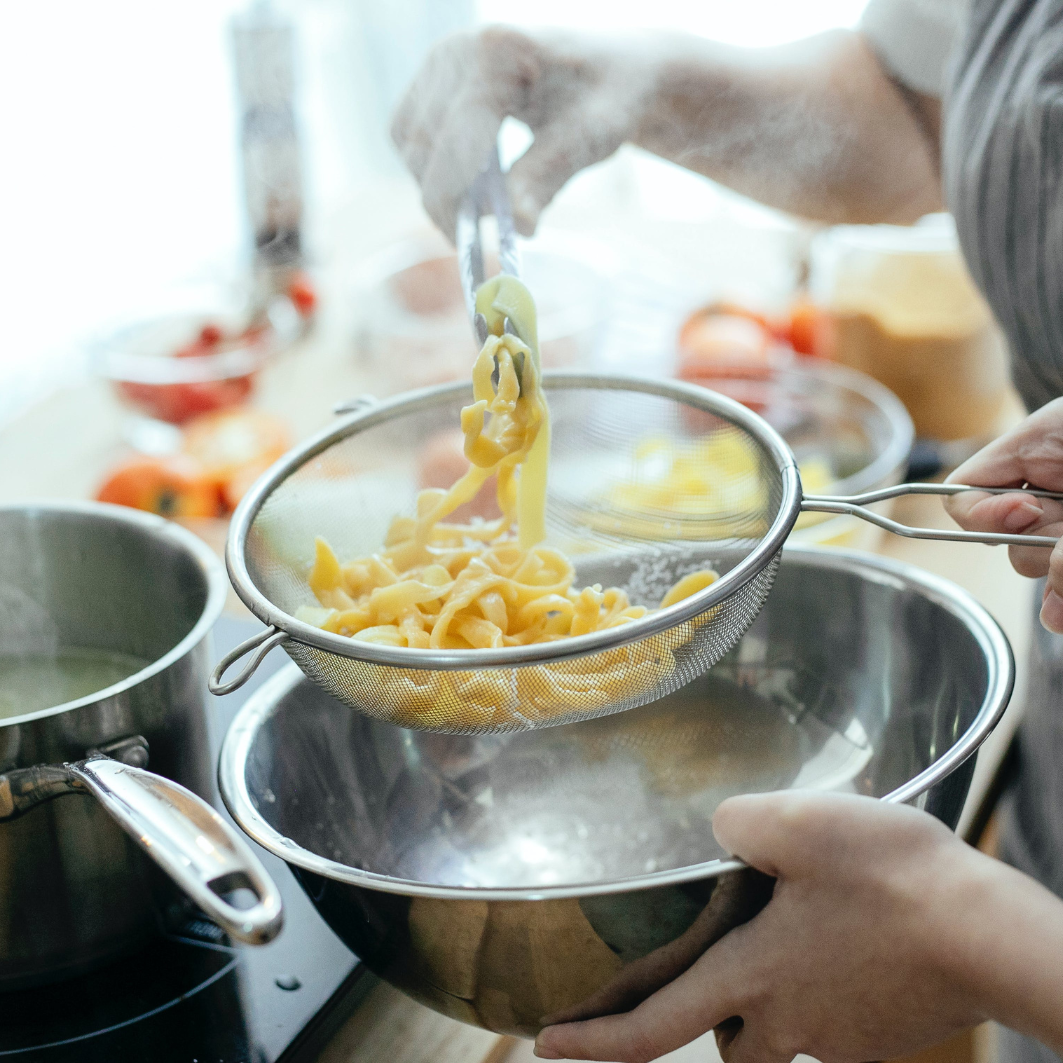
{"type": "Point", "coordinates": [172, 487]}
{"type": "Point", "coordinates": [710, 342]}
{"type": "Point", "coordinates": [302, 294]}
{"type": "Point", "coordinates": [806, 328]}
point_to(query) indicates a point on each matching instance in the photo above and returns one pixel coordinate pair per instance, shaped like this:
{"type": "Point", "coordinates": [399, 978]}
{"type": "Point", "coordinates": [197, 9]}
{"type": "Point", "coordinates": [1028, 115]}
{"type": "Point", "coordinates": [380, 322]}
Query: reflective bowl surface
{"type": "Point", "coordinates": [573, 870]}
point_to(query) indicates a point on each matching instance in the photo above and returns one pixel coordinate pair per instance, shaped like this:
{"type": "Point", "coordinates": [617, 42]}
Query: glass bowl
{"type": "Point", "coordinates": [412, 329]}
{"type": "Point", "coordinates": [848, 432]}
{"type": "Point", "coordinates": [196, 349]}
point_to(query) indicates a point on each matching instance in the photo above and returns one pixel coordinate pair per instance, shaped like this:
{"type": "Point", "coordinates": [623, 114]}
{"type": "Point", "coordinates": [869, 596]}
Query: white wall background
{"type": "Point", "coordinates": [119, 138]}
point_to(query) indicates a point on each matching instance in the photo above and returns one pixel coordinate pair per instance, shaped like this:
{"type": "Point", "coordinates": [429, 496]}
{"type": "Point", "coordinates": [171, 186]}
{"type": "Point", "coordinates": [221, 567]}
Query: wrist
{"type": "Point", "coordinates": [1006, 946]}
{"type": "Point", "coordinates": [966, 899]}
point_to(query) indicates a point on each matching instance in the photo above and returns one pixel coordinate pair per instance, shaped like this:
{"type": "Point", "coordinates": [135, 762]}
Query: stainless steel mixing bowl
{"type": "Point", "coordinates": [501, 879]}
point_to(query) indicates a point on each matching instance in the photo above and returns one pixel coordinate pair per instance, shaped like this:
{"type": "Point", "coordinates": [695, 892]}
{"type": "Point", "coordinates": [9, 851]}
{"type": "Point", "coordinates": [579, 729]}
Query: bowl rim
{"type": "Point", "coordinates": [887, 467]}
{"type": "Point", "coordinates": [265, 702]}
{"type": "Point", "coordinates": [207, 560]}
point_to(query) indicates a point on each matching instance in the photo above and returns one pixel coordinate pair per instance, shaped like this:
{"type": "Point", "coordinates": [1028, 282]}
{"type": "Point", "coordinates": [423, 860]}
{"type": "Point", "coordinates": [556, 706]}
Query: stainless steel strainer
{"type": "Point", "coordinates": [347, 484]}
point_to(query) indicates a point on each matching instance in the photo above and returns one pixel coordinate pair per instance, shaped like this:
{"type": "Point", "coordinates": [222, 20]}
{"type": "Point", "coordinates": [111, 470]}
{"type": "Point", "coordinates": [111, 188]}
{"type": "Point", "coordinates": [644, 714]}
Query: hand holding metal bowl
{"type": "Point", "coordinates": [507, 880]}
{"type": "Point", "coordinates": [75, 891]}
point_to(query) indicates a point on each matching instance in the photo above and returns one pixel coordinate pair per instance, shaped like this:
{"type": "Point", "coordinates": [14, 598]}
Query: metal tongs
{"type": "Point", "coordinates": [487, 195]}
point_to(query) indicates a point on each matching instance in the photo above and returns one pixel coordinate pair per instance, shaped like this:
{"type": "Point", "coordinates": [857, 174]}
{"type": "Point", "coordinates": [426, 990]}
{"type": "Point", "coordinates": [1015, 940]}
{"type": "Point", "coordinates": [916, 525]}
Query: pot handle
{"type": "Point", "coordinates": [264, 640]}
{"type": "Point", "coordinates": [187, 838]}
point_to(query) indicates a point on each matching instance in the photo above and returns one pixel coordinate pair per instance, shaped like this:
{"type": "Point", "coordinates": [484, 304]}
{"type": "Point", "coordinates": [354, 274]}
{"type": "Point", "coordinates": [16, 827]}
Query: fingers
{"type": "Point", "coordinates": [572, 140]}
{"type": "Point", "coordinates": [1032, 452]}
{"type": "Point", "coordinates": [448, 120]}
{"type": "Point", "coordinates": [1052, 604]}
{"type": "Point", "coordinates": [778, 833]}
{"type": "Point", "coordinates": [684, 1009]}
{"type": "Point", "coordinates": [1013, 513]}
{"type": "Point", "coordinates": [465, 138]}
{"type": "Point", "coordinates": [421, 111]}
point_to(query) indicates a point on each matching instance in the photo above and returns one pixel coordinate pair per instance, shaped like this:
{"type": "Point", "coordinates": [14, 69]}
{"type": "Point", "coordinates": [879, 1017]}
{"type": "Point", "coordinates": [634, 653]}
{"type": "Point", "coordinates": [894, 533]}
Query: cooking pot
{"type": "Point", "coordinates": [572, 870]}
{"type": "Point", "coordinates": [76, 885]}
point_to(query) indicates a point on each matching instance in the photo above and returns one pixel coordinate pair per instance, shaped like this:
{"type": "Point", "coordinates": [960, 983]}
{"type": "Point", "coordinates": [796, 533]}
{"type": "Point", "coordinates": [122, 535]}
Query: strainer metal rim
{"type": "Point", "coordinates": [264, 702]}
{"type": "Point", "coordinates": [578, 646]}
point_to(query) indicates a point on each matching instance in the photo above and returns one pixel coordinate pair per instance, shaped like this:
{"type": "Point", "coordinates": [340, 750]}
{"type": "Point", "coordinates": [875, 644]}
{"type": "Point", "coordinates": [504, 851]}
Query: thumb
{"type": "Point", "coordinates": [757, 828]}
{"type": "Point", "coordinates": [569, 142]}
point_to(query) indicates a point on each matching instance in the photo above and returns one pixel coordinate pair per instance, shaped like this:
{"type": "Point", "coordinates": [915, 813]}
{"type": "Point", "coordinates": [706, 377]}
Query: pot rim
{"type": "Point", "coordinates": [211, 566]}
{"type": "Point", "coordinates": [1000, 680]}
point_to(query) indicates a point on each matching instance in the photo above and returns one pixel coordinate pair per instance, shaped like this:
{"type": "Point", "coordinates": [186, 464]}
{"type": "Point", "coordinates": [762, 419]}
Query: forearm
{"type": "Point", "coordinates": [1009, 949]}
{"type": "Point", "coordinates": [817, 128]}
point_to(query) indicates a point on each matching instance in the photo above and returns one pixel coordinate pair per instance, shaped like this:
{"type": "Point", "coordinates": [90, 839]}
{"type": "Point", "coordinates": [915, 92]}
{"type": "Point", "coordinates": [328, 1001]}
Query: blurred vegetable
{"type": "Point", "coordinates": [714, 339]}
{"type": "Point", "coordinates": [727, 334]}
{"type": "Point", "coordinates": [178, 403]}
{"type": "Point", "coordinates": [805, 328]}
{"type": "Point", "coordinates": [234, 447]}
{"type": "Point", "coordinates": [302, 294]}
{"type": "Point", "coordinates": [172, 487]}
{"type": "Point", "coordinates": [223, 453]}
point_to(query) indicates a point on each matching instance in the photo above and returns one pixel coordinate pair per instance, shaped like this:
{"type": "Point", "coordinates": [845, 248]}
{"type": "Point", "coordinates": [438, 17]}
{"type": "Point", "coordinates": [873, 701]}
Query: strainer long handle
{"type": "Point", "coordinates": [853, 505]}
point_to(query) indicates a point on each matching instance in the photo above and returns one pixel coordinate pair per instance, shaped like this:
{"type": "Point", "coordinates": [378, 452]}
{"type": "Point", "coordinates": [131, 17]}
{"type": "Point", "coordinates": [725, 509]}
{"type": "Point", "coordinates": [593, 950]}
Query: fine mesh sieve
{"type": "Point", "coordinates": [350, 481]}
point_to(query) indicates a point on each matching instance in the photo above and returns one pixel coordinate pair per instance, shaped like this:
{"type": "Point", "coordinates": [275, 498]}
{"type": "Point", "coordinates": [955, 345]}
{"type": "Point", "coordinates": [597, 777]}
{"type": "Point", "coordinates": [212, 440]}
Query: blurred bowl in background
{"type": "Point", "coordinates": [849, 433]}
{"type": "Point", "coordinates": [196, 349]}
{"type": "Point", "coordinates": [412, 329]}
{"type": "Point", "coordinates": [173, 368]}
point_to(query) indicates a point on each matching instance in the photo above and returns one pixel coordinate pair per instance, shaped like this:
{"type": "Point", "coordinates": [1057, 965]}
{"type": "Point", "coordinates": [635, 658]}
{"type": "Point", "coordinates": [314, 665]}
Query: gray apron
{"type": "Point", "coordinates": [1003, 172]}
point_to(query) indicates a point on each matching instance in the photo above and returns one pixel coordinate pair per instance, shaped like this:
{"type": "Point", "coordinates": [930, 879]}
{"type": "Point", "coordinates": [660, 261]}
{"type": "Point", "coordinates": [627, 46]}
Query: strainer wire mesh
{"type": "Point", "coordinates": [610, 435]}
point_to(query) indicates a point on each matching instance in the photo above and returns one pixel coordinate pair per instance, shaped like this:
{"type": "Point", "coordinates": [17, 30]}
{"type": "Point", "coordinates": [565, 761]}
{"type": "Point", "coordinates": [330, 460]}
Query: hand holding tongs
{"type": "Point", "coordinates": [487, 195]}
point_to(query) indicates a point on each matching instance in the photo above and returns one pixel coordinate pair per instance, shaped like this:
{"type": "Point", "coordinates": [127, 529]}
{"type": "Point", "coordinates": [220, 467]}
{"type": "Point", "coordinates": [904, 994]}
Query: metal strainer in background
{"type": "Point", "coordinates": [347, 484]}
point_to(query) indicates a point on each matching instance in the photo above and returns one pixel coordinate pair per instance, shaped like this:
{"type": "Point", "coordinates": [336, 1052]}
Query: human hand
{"type": "Point", "coordinates": [1031, 453]}
{"type": "Point", "coordinates": [857, 955]}
{"type": "Point", "coordinates": [580, 95]}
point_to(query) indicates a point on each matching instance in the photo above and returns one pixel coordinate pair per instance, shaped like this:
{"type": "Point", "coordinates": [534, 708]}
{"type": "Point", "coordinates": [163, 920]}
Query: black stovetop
{"type": "Point", "coordinates": [190, 996]}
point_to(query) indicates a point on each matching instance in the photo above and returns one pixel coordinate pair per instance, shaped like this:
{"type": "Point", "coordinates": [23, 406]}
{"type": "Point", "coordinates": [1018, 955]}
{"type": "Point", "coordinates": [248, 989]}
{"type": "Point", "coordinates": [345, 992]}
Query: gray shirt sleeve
{"type": "Point", "coordinates": [914, 39]}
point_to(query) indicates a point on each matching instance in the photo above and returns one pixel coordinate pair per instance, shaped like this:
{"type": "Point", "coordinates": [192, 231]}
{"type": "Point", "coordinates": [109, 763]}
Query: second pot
{"type": "Point", "coordinates": [76, 888]}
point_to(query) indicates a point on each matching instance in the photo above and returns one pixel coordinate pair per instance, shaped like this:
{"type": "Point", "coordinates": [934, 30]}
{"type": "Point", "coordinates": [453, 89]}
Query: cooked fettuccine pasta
{"type": "Point", "coordinates": [490, 584]}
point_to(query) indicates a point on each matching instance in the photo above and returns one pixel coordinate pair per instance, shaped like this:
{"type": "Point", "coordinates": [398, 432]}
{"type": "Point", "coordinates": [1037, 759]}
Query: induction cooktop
{"type": "Point", "coordinates": [190, 996]}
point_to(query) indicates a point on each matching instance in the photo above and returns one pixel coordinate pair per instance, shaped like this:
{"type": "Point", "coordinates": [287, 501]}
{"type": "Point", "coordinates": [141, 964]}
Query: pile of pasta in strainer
{"type": "Point", "coordinates": [485, 583]}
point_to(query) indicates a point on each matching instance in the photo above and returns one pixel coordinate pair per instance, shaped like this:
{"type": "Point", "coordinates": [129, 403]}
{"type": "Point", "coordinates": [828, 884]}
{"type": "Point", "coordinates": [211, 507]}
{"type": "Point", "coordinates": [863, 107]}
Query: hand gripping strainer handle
{"type": "Point", "coordinates": [853, 505]}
